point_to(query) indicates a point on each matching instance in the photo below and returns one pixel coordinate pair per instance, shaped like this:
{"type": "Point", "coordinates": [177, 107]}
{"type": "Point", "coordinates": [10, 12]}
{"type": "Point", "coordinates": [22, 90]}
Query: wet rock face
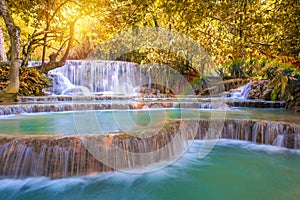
{"type": "Point", "coordinates": [293, 101]}
{"type": "Point", "coordinates": [211, 86]}
{"type": "Point", "coordinates": [69, 106]}
{"type": "Point", "coordinates": [258, 104]}
{"type": "Point", "coordinates": [153, 92]}
{"type": "Point", "coordinates": [146, 90]}
{"type": "Point", "coordinates": [260, 90]}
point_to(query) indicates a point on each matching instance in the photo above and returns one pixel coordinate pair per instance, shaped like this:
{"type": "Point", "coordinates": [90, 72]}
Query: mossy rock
{"type": "Point", "coordinates": [32, 81]}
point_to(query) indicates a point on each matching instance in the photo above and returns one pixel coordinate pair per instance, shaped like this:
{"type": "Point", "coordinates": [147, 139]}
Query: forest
{"type": "Point", "coordinates": [244, 38]}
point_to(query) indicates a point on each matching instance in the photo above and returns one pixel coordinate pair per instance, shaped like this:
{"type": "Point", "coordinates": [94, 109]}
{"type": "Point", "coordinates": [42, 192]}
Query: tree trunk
{"type": "Point", "coordinates": [3, 57]}
{"type": "Point", "coordinates": [14, 33]}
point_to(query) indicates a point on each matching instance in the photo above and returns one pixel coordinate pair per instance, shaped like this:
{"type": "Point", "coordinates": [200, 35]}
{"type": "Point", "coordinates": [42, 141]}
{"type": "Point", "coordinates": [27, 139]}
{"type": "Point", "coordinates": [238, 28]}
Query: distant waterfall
{"type": "Point", "coordinates": [240, 92]}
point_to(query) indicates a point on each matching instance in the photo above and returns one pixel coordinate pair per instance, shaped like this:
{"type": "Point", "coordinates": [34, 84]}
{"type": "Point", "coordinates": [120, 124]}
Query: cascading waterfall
{"type": "Point", "coordinates": [68, 156]}
{"type": "Point", "coordinates": [261, 132]}
{"type": "Point", "coordinates": [46, 157]}
{"type": "Point", "coordinates": [114, 77]}
{"type": "Point", "coordinates": [72, 156]}
{"type": "Point", "coordinates": [99, 76]}
{"type": "Point", "coordinates": [54, 156]}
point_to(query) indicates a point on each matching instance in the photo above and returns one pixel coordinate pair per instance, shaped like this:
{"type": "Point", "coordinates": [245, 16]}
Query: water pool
{"type": "Point", "coordinates": [233, 170]}
{"type": "Point", "coordinates": [63, 122]}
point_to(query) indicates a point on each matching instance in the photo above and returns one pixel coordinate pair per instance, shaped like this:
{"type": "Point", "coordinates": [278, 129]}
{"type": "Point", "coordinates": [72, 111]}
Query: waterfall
{"type": "Point", "coordinates": [55, 156]}
{"type": "Point", "coordinates": [241, 92]}
{"type": "Point", "coordinates": [297, 140]}
{"type": "Point", "coordinates": [62, 85]}
{"type": "Point", "coordinates": [260, 132]}
{"type": "Point", "coordinates": [115, 77]}
{"type": "Point", "coordinates": [72, 156]}
{"type": "Point", "coordinates": [98, 77]}
{"type": "Point", "coordinates": [39, 157]}
{"type": "Point", "coordinates": [279, 141]}
{"type": "Point", "coordinates": [273, 133]}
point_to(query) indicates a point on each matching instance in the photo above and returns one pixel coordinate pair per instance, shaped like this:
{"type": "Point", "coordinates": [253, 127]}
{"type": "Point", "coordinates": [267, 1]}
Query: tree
{"type": "Point", "coordinates": [10, 93]}
{"type": "Point", "coordinates": [52, 64]}
{"type": "Point", "coordinates": [3, 57]}
{"type": "Point", "coordinates": [287, 20]}
{"type": "Point", "coordinates": [51, 26]}
{"type": "Point", "coordinates": [50, 23]}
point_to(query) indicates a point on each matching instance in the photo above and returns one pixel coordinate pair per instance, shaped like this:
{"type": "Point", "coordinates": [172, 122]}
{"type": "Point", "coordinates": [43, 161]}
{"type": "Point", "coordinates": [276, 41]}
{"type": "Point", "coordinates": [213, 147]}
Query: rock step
{"type": "Point", "coordinates": [69, 106]}
{"type": "Point", "coordinates": [257, 104]}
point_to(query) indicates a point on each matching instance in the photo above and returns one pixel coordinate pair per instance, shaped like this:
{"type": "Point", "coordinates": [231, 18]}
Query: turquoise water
{"type": "Point", "coordinates": [233, 170]}
{"type": "Point", "coordinates": [115, 120]}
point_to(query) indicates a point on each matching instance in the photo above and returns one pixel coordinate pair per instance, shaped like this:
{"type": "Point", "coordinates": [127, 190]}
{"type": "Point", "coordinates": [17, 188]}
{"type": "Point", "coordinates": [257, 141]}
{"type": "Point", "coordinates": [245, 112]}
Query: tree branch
{"type": "Point", "coordinates": [52, 64]}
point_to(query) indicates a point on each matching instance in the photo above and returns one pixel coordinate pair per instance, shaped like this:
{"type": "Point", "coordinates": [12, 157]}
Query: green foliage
{"type": "Point", "coordinates": [283, 77]}
{"type": "Point", "coordinates": [253, 66]}
{"type": "Point", "coordinates": [241, 68]}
